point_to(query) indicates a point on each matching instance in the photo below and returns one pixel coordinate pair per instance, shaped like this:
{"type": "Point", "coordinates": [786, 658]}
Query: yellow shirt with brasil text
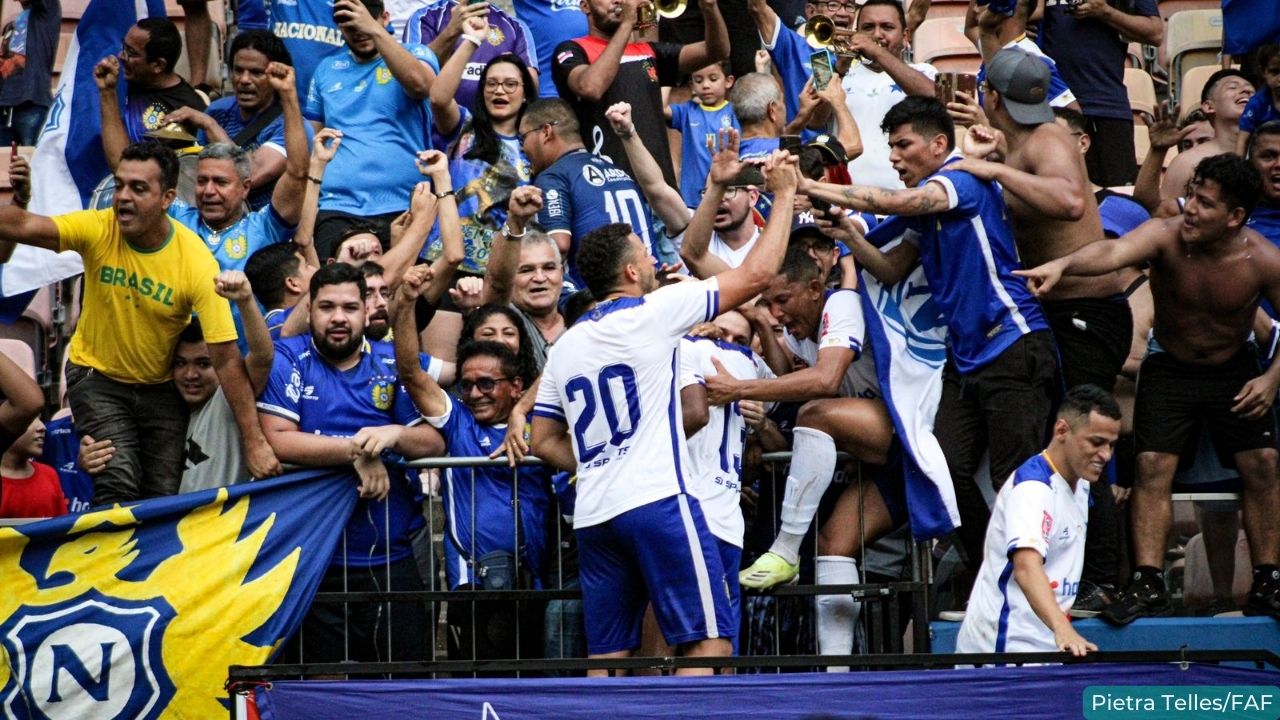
{"type": "Point", "coordinates": [136, 302]}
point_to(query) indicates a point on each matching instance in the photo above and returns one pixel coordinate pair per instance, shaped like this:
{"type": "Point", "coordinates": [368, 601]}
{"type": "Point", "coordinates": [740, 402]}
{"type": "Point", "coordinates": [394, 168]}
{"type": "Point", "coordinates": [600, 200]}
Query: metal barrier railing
{"type": "Point", "coordinates": [467, 647]}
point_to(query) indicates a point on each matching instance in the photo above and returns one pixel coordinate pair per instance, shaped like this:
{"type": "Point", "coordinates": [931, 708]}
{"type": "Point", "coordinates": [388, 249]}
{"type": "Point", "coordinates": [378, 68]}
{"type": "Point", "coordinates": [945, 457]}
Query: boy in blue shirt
{"type": "Point", "coordinates": [698, 120]}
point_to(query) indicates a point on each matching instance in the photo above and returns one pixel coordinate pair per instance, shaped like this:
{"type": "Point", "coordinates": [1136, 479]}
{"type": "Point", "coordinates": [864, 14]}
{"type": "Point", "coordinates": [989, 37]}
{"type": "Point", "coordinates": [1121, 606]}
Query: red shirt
{"type": "Point", "coordinates": [38, 496]}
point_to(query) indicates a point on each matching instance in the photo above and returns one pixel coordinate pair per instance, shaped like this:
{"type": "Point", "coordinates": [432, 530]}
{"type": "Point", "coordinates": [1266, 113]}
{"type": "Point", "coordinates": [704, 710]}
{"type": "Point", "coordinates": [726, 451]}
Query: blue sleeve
{"type": "Point", "coordinates": [404, 411]}
{"type": "Point", "coordinates": [413, 27]}
{"type": "Point", "coordinates": [313, 108]}
{"type": "Point", "coordinates": [274, 228]}
{"type": "Point", "coordinates": [963, 190]}
{"type": "Point", "coordinates": [1255, 113]}
{"type": "Point", "coordinates": [524, 46]}
{"type": "Point", "coordinates": [1145, 8]}
{"type": "Point", "coordinates": [557, 202]}
{"type": "Point", "coordinates": [790, 55]}
{"type": "Point", "coordinates": [426, 55]}
{"type": "Point", "coordinates": [283, 394]}
{"type": "Point", "coordinates": [274, 133]}
{"type": "Point", "coordinates": [680, 117]}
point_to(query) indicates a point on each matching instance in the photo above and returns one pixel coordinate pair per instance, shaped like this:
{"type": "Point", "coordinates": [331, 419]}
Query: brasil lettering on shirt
{"type": "Point", "coordinates": [153, 289]}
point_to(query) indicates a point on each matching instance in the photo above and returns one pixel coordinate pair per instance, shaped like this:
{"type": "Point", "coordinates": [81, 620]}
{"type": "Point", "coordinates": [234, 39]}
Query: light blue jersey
{"type": "Point", "coordinates": [308, 31]}
{"type": "Point", "coordinates": [232, 245]}
{"type": "Point", "coordinates": [373, 172]}
{"type": "Point", "coordinates": [550, 22]}
{"type": "Point", "coordinates": [698, 125]}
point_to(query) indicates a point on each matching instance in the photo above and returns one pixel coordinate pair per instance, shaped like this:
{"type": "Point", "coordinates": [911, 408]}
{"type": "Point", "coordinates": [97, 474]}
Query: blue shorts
{"type": "Point", "coordinates": [660, 551]}
{"type": "Point", "coordinates": [731, 561]}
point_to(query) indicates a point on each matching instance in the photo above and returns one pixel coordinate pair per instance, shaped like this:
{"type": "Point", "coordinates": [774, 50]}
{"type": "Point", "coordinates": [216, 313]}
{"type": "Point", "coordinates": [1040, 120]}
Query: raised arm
{"type": "Point", "coordinates": [323, 147]}
{"type": "Point", "coordinates": [414, 76]}
{"type": "Point", "coordinates": [846, 127]}
{"type": "Point", "coordinates": [744, 282]}
{"type": "Point", "coordinates": [234, 286]}
{"type": "Point", "coordinates": [695, 250]}
{"type": "Point", "coordinates": [1099, 258]}
{"type": "Point", "coordinates": [1056, 187]}
{"type": "Point", "coordinates": [1165, 135]}
{"type": "Point", "coordinates": [259, 457]}
{"type": "Point", "coordinates": [715, 44]}
{"type": "Point", "coordinates": [423, 389]}
{"type": "Point", "coordinates": [106, 75]}
{"type": "Point", "coordinates": [435, 165]}
{"type": "Point", "coordinates": [444, 90]}
{"type": "Point", "coordinates": [764, 17]}
{"type": "Point", "coordinates": [504, 251]}
{"type": "Point", "coordinates": [666, 203]}
{"type": "Point", "coordinates": [930, 198]}
{"type": "Point", "coordinates": [409, 232]}
{"type": "Point", "coordinates": [289, 195]}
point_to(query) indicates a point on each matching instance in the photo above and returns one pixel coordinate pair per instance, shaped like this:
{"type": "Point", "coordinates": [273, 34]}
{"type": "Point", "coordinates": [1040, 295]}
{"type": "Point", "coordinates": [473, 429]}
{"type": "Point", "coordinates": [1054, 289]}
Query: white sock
{"type": "Point", "coordinates": [813, 463]}
{"type": "Point", "coordinates": [837, 614]}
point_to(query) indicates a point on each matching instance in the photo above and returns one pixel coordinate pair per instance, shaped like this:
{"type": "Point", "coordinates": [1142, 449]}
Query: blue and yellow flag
{"type": "Point", "coordinates": [137, 611]}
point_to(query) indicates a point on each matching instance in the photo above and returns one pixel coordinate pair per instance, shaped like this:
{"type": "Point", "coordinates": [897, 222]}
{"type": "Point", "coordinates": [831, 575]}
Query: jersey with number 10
{"type": "Point", "coordinates": [612, 378]}
{"type": "Point", "coordinates": [581, 192]}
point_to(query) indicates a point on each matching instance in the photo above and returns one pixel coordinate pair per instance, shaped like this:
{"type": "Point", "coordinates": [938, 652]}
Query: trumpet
{"type": "Point", "coordinates": [647, 14]}
{"type": "Point", "coordinates": [820, 33]}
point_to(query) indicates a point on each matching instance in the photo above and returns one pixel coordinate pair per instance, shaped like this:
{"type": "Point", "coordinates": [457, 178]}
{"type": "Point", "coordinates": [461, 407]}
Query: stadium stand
{"type": "Point", "coordinates": [942, 43]}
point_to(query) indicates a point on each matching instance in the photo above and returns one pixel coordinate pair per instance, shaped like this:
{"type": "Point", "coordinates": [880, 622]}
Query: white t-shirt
{"type": "Point", "coordinates": [842, 326]}
{"type": "Point", "coordinates": [214, 456]}
{"type": "Point", "coordinates": [715, 451]}
{"type": "Point", "coordinates": [733, 258]}
{"type": "Point", "coordinates": [1035, 509]}
{"type": "Point", "coordinates": [612, 379]}
{"type": "Point", "coordinates": [869, 95]}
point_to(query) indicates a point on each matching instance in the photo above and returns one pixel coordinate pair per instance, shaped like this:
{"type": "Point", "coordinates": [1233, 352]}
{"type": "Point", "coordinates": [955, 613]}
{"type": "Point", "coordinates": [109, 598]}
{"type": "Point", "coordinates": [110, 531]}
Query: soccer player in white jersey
{"type": "Point", "coordinates": [716, 436]}
{"type": "Point", "coordinates": [825, 329]}
{"type": "Point", "coordinates": [1034, 551]}
{"type": "Point", "coordinates": [609, 408]}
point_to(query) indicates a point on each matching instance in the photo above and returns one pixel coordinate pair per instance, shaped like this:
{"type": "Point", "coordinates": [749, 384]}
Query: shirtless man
{"type": "Point", "coordinates": [1223, 100]}
{"type": "Point", "coordinates": [1208, 273]}
{"type": "Point", "coordinates": [1052, 213]}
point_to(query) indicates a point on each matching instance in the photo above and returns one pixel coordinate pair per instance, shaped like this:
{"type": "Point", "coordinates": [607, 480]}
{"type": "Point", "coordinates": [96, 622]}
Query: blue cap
{"type": "Point", "coordinates": [1121, 215]}
{"type": "Point", "coordinates": [1004, 7]}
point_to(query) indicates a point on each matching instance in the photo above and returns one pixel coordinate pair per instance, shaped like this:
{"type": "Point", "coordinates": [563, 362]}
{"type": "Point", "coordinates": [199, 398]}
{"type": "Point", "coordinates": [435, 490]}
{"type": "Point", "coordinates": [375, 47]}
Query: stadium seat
{"type": "Point", "coordinates": [945, 8]}
{"type": "Point", "coordinates": [1169, 8]}
{"type": "Point", "coordinates": [1192, 39]}
{"type": "Point", "coordinates": [1190, 87]}
{"type": "Point", "coordinates": [1135, 55]}
{"type": "Point", "coordinates": [20, 353]}
{"type": "Point", "coordinates": [942, 43]}
{"type": "Point", "coordinates": [1141, 141]}
{"type": "Point", "coordinates": [1142, 91]}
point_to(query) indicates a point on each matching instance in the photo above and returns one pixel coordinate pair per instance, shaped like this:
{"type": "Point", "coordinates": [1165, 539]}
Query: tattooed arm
{"type": "Point", "coordinates": [925, 200]}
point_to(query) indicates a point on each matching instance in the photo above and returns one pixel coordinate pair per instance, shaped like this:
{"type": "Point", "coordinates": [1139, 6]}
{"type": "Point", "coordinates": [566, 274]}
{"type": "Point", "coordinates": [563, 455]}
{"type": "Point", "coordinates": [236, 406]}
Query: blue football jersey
{"type": "Point", "coordinates": [62, 453]}
{"type": "Point", "coordinates": [699, 126]}
{"type": "Point", "coordinates": [308, 31]}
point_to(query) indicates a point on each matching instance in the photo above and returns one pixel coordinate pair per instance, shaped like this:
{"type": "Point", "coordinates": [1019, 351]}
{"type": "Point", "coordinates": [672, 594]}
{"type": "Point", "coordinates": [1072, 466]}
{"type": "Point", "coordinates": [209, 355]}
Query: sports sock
{"type": "Point", "coordinates": [837, 614]}
{"type": "Point", "coordinates": [813, 463]}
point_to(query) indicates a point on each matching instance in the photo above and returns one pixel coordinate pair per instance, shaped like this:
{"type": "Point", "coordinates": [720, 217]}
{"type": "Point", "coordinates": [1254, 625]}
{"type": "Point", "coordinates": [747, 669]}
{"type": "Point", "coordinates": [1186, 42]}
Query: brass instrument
{"type": "Point", "coordinates": [820, 32]}
{"type": "Point", "coordinates": [647, 14]}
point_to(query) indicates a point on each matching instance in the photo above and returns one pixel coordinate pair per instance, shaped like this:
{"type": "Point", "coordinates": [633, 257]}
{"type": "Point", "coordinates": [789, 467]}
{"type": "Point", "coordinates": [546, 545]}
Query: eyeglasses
{"type": "Point", "coordinates": [525, 135]}
{"type": "Point", "coordinates": [508, 85]}
{"type": "Point", "coordinates": [484, 385]}
{"type": "Point", "coordinates": [848, 7]}
{"type": "Point", "coordinates": [729, 192]}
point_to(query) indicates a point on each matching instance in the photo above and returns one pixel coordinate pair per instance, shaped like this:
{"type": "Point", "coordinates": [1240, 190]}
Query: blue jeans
{"type": "Point", "coordinates": [21, 124]}
{"type": "Point", "coordinates": [147, 424]}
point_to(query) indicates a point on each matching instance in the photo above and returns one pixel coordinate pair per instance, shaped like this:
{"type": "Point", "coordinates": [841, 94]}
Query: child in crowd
{"type": "Point", "coordinates": [1264, 106]}
{"type": "Point", "coordinates": [698, 120]}
{"type": "Point", "coordinates": [29, 489]}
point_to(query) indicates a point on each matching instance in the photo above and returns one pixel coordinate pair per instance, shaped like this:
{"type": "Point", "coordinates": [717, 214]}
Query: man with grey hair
{"type": "Point", "coordinates": [222, 185]}
{"type": "Point", "coordinates": [220, 215]}
{"type": "Point", "coordinates": [762, 114]}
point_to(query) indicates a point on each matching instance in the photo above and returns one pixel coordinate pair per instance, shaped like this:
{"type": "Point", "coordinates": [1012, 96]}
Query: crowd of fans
{"type": "Point", "coordinates": [395, 219]}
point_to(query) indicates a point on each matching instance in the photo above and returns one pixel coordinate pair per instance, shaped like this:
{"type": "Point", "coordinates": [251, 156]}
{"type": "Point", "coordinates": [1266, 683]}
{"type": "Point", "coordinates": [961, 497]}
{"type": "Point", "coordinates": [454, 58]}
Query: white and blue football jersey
{"type": "Point", "coordinates": [612, 378]}
{"type": "Point", "coordinates": [1036, 509]}
{"type": "Point", "coordinates": [843, 326]}
{"type": "Point", "coordinates": [715, 451]}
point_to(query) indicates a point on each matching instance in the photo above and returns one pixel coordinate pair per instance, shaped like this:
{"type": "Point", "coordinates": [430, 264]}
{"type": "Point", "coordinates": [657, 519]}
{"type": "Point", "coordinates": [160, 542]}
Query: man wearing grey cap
{"type": "Point", "coordinates": [1053, 213]}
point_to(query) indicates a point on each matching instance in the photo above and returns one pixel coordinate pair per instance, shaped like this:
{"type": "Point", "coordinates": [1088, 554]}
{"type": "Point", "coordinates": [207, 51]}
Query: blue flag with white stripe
{"type": "Point", "coordinates": [69, 162]}
{"type": "Point", "coordinates": [908, 337]}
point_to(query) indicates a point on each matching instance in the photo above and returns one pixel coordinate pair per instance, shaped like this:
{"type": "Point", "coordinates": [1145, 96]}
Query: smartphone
{"type": "Point", "coordinates": [790, 143]}
{"type": "Point", "coordinates": [944, 87]}
{"type": "Point", "coordinates": [821, 62]}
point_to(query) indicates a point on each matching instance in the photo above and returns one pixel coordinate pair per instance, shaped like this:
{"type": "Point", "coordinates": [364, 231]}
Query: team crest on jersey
{"type": "Point", "coordinates": [382, 75]}
{"type": "Point", "coordinates": [153, 116]}
{"type": "Point", "coordinates": [91, 656]}
{"type": "Point", "coordinates": [495, 36]}
{"type": "Point", "coordinates": [236, 247]}
{"type": "Point", "coordinates": [383, 393]}
{"type": "Point", "coordinates": [652, 69]}
{"type": "Point", "coordinates": [1046, 525]}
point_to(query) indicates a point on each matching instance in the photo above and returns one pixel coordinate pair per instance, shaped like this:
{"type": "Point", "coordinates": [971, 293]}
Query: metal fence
{"type": "Point", "coordinates": [533, 624]}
